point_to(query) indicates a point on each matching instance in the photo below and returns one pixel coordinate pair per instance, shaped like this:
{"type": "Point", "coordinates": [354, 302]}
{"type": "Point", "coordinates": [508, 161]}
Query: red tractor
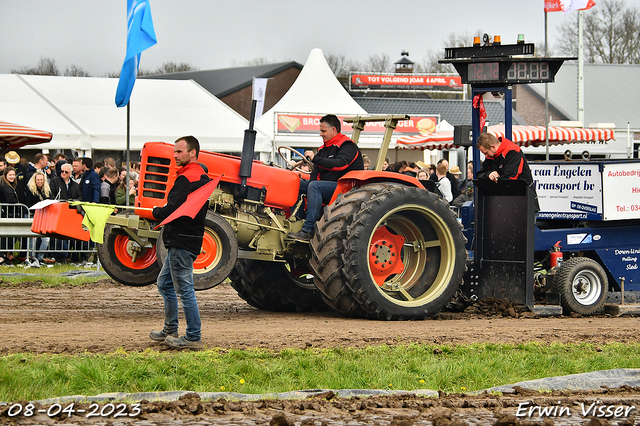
{"type": "Point", "coordinates": [384, 248]}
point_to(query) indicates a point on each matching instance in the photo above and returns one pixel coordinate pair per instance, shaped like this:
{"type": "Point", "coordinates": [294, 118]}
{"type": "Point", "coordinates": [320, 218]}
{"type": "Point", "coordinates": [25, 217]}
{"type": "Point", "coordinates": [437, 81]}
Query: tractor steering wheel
{"type": "Point", "coordinates": [295, 166]}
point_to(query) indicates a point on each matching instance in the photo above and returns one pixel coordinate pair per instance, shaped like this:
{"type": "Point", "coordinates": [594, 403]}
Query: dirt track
{"type": "Point", "coordinates": [105, 316]}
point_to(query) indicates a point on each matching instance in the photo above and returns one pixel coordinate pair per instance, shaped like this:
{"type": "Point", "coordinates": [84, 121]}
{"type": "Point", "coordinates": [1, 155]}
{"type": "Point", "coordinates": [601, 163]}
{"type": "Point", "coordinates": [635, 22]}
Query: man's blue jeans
{"type": "Point", "coordinates": [318, 192]}
{"type": "Point", "coordinates": [176, 277]}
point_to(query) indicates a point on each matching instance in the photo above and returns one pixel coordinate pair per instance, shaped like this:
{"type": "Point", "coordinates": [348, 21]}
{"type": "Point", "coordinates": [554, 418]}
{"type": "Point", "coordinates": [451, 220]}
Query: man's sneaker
{"type": "Point", "coordinates": [182, 343]}
{"type": "Point", "coordinates": [159, 336]}
{"type": "Point", "coordinates": [301, 235]}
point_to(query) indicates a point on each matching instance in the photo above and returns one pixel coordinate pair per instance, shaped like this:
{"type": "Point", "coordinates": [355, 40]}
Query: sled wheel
{"type": "Point", "coordinates": [276, 286]}
{"type": "Point", "coordinates": [404, 254]}
{"type": "Point", "coordinates": [327, 248]}
{"type": "Point", "coordinates": [117, 255]}
{"type": "Point", "coordinates": [582, 284]}
{"type": "Point", "coordinates": [217, 256]}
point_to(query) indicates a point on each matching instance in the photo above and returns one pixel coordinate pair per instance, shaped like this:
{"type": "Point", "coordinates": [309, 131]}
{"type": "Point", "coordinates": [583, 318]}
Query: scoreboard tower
{"type": "Point", "coordinates": [496, 68]}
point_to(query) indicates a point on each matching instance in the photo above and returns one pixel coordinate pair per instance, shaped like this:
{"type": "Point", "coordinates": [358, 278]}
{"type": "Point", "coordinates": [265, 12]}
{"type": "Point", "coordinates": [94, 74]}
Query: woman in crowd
{"type": "Point", "coordinates": [8, 190]}
{"type": "Point", "coordinates": [9, 195]}
{"type": "Point", "coordinates": [121, 196]}
{"type": "Point", "coordinates": [38, 190]}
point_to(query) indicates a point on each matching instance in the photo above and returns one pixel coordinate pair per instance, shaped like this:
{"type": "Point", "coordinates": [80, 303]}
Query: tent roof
{"type": "Point", "coordinates": [225, 81]}
{"type": "Point", "coordinates": [81, 112]}
{"type": "Point", "coordinates": [315, 91]}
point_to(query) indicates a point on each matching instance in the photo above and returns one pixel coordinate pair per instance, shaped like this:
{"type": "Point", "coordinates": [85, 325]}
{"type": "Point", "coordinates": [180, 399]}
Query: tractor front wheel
{"type": "Point", "coordinates": [125, 261]}
{"type": "Point", "coordinates": [217, 256]}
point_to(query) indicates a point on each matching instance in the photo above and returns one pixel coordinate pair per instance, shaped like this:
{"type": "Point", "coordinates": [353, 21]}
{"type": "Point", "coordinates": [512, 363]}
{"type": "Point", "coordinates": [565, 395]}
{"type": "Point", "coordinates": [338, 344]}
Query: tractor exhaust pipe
{"type": "Point", "coordinates": [248, 149]}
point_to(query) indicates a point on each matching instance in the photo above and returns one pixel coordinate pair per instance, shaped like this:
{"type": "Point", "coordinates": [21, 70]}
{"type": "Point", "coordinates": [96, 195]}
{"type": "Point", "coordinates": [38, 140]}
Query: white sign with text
{"type": "Point", "coordinates": [568, 190]}
{"type": "Point", "coordinates": [621, 185]}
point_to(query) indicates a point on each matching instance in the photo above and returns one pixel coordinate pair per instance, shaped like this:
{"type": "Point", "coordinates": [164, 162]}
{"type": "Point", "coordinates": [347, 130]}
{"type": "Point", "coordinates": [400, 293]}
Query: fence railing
{"type": "Point", "coordinates": [17, 239]}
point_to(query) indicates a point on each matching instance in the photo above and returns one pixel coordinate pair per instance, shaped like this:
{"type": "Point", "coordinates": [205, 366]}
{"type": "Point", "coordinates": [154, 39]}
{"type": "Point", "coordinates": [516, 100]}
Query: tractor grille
{"type": "Point", "coordinates": [157, 171]}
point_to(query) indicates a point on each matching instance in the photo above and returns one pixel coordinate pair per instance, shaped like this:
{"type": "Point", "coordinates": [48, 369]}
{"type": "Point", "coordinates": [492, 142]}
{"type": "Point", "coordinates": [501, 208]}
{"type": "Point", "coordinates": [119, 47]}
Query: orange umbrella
{"type": "Point", "coordinates": [14, 136]}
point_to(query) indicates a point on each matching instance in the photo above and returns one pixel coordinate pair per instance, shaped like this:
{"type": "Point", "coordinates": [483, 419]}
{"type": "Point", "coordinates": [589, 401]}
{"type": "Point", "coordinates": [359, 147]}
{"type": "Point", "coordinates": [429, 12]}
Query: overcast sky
{"type": "Point", "coordinates": [211, 34]}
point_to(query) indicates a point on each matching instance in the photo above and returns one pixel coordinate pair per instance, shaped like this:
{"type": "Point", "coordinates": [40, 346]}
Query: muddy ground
{"type": "Point", "coordinates": [105, 316]}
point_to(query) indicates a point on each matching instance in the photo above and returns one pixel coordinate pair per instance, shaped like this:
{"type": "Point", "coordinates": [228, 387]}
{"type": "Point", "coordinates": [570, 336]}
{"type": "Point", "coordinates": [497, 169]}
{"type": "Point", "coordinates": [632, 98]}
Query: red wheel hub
{"type": "Point", "coordinates": [384, 254]}
{"type": "Point", "coordinates": [209, 252]}
{"type": "Point", "coordinates": [144, 259]}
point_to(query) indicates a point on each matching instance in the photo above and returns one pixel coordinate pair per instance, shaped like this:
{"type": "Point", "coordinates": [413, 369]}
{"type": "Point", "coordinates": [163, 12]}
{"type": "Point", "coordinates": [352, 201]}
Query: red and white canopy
{"type": "Point", "coordinates": [435, 140]}
{"type": "Point", "coordinates": [14, 136]}
{"type": "Point", "coordinates": [521, 135]}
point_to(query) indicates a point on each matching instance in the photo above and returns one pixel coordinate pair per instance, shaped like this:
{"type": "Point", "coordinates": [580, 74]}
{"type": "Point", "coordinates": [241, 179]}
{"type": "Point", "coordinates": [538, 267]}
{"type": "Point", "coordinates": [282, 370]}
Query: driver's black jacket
{"type": "Point", "coordinates": [335, 158]}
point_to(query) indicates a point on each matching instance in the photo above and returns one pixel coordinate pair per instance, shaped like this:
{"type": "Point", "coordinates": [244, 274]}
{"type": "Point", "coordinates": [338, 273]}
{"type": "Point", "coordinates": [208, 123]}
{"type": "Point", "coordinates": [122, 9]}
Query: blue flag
{"type": "Point", "coordinates": [140, 36]}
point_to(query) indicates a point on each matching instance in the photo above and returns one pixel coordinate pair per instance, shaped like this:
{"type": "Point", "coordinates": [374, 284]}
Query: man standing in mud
{"type": "Point", "coordinates": [183, 239]}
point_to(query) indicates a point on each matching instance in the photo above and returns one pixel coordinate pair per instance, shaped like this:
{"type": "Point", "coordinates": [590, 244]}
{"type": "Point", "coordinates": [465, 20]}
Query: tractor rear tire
{"type": "Point", "coordinates": [276, 286]}
{"type": "Point", "coordinates": [404, 254]}
{"type": "Point", "coordinates": [582, 284]}
{"type": "Point", "coordinates": [217, 257]}
{"type": "Point", "coordinates": [116, 257]}
{"type": "Point", "coordinates": [327, 248]}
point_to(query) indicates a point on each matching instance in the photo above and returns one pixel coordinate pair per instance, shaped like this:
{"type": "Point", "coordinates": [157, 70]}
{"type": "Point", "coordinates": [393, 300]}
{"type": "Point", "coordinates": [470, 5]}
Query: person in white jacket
{"type": "Point", "coordinates": [443, 183]}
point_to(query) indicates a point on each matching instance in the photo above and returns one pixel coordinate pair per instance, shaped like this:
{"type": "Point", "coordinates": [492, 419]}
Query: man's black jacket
{"type": "Point", "coordinates": [335, 158]}
{"type": "Point", "coordinates": [184, 232]}
{"type": "Point", "coordinates": [59, 189]}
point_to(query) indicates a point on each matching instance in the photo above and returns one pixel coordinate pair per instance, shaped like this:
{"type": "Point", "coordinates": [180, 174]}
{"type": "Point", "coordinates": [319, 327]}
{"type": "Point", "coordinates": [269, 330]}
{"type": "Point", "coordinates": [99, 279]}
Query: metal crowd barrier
{"type": "Point", "coordinates": [16, 238]}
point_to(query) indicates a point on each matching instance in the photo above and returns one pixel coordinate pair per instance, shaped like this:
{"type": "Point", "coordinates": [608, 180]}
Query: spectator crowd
{"type": "Point", "coordinates": [449, 182]}
{"type": "Point", "coordinates": [24, 183]}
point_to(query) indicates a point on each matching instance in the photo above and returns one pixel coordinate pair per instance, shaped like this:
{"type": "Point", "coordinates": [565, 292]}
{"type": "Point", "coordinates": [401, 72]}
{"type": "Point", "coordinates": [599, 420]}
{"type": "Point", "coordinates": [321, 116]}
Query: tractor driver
{"type": "Point", "coordinates": [337, 156]}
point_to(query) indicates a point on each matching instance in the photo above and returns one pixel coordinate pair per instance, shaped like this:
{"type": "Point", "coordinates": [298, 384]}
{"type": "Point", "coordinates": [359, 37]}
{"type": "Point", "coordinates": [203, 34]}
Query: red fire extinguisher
{"type": "Point", "coordinates": [556, 255]}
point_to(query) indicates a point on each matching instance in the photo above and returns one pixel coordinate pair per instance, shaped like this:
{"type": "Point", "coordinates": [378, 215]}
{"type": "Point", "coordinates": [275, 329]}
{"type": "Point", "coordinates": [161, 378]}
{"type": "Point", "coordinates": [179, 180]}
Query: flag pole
{"type": "Point", "coordinates": [546, 89]}
{"type": "Point", "coordinates": [128, 157]}
{"type": "Point", "coordinates": [580, 71]}
{"type": "Point", "coordinates": [115, 206]}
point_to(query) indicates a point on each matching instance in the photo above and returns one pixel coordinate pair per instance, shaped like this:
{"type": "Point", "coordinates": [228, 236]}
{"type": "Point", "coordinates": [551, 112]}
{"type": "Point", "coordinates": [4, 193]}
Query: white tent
{"type": "Point", "coordinates": [82, 115]}
{"type": "Point", "coordinates": [316, 91]}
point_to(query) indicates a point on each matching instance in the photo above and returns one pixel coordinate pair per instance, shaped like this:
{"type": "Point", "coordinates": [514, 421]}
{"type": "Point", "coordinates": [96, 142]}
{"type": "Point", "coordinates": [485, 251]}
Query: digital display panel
{"type": "Point", "coordinates": [483, 71]}
{"type": "Point", "coordinates": [523, 71]}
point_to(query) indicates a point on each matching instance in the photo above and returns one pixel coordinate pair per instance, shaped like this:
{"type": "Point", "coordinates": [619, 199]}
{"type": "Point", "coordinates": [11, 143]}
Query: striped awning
{"type": "Point", "coordinates": [436, 140]}
{"type": "Point", "coordinates": [521, 135]}
{"type": "Point", "coordinates": [14, 136]}
{"type": "Point", "coordinates": [534, 135]}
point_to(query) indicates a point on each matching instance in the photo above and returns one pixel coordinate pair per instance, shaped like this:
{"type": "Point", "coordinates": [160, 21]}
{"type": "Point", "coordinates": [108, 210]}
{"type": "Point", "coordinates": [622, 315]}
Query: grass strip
{"type": "Point", "coordinates": [47, 276]}
{"type": "Point", "coordinates": [408, 367]}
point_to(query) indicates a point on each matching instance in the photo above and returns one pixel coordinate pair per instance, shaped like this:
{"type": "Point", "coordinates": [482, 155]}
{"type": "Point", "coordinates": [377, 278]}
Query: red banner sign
{"type": "Point", "coordinates": [552, 6]}
{"type": "Point", "coordinates": [404, 81]}
{"type": "Point", "coordinates": [310, 124]}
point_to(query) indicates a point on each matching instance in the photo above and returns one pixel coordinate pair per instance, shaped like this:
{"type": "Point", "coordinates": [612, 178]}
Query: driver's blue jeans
{"type": "Point", "coordinates": [318, 192]}
{"type": "Point", "coordinates": [176, 279]}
